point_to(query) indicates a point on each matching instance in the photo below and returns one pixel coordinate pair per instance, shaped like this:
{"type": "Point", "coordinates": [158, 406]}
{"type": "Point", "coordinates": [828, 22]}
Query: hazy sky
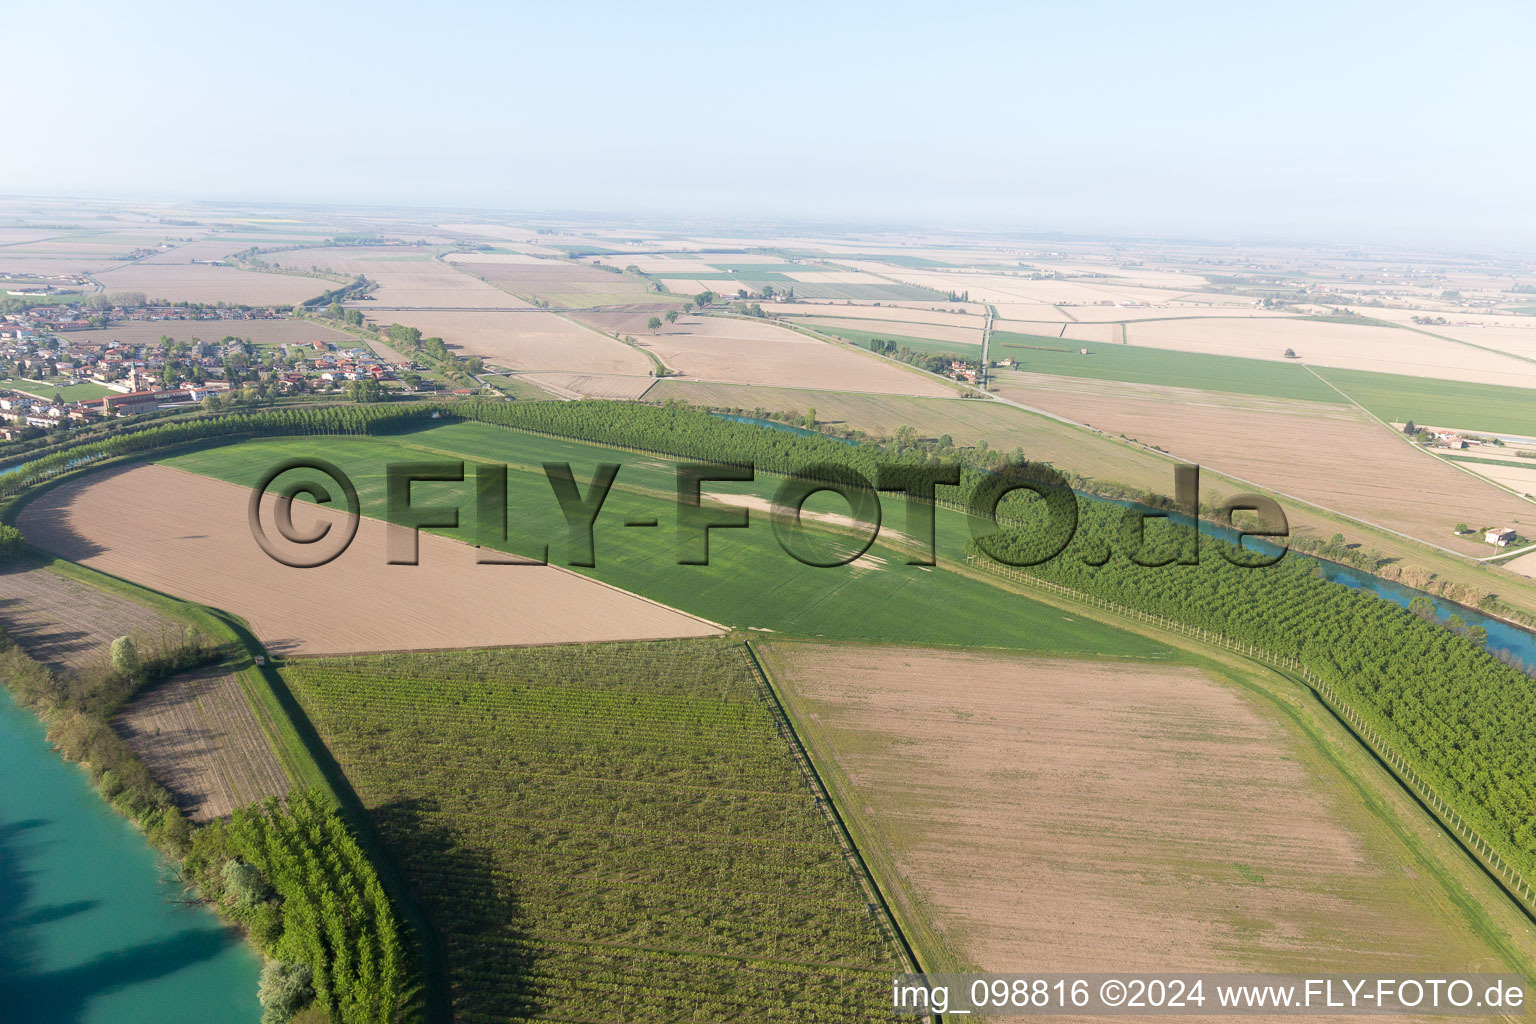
{"type": "Point", "coordinates": [1330, 120]}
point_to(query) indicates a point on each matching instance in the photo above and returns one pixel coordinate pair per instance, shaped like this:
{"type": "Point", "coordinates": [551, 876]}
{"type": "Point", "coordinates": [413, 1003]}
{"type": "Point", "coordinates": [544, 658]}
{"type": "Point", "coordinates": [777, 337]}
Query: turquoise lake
{"type": "Point", "coordinates": [90, 930]}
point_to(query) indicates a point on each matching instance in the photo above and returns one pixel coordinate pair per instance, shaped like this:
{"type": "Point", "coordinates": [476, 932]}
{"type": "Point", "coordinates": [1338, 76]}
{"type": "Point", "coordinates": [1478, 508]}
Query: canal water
{"type": "Point", "coordinates": [785, 427]}
{"type": "Point", "coordinates": [90, 930]}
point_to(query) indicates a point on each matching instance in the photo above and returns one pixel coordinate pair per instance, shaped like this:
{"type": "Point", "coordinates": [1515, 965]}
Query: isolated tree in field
{"type": "Point", "coordinates": [671, 316]}
{"type": "Point", "coordinates": [704, 298]}
{"type": "Point", "coordinates": [125, 656]}
{"type": "Point", "coordinates": [1290, 353]}
{"type": "Point", "coordinates": [653, 324]}
{"type": "Point", "coordinates": [687, 307]}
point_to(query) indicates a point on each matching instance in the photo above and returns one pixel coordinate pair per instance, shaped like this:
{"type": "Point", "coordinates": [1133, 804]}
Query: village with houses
{"type": "Point", "coordinates": [62, 366]}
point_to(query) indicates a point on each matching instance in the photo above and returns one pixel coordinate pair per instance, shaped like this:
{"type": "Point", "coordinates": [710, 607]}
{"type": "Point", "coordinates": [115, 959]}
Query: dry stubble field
{"type": "Point", "coordinates": [564, 283]}
{"type": "Point", "coordinates": [200, 740]}
{"type": "Point", "coordinates": [1332, 455]}
{"type": "Point", "coordinates": [210, 284]}
{"type": "Point", "coordinates": [1081, 815]}
{"type": "Point", "coordinates": [754, 352]}
{"type": "Point", "coordinates": [1343, 346]}
{"type": "Point", "coordinates": [406, 276]}
{"type": "Point", "coordinates": [532, 340]}
{"type": "Point", "coordinates": [187, 535]}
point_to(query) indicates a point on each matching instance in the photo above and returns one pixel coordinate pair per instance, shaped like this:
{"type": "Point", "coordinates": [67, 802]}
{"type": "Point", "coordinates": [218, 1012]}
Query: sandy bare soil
{"type": "Point", "coordinates": [199, 738]}
{"type": "Point", "coordinates": [754, 352]}
{"type": "Point", "coordinates": [47, 265]}
{"type": "Point", "coordinates": [69, 624]}
{"type": "Point", "coordinates": [1082, 816]}
{"type": "Point", "coordinates": [564, 283]}
{"type": "Point", "coordinates": [1518, 475]}
{"type": "Point", "coordinates": [1104, 334]}
{"type": "Point", "coordinates": [590, 385]}
{"type": "Point", "coordinates": [406, 276]}
{"type": "Point", "coordinates": [1345, 346]}
{"type": "Point", "coordinates": [203, 283]}
{"type": "Point", "coordinates": [532, 340]}
{"type": "Point", "coordinates": [1328, 454]}
{"type": "Point", "coordinates": [1166, 308]}
{"type": "Point", "coordinates": [188, 536]}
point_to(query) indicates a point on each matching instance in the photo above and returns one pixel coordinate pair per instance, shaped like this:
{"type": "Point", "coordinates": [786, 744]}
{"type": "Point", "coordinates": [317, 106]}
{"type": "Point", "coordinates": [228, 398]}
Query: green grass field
{"type": "Point", "coordinates": [1439, 403]}
{"type": "Point", "coordinates": [1137, 365]}
{"type": "Point", "coordinates": [45, 390]}
{"type": "Point", "coordinates": [606, 832]}
{"type": "Point", "coordinates": [750, 581]}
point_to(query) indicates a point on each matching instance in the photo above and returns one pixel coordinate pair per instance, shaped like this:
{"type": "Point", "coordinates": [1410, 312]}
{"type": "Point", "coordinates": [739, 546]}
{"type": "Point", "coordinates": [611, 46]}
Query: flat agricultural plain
{"type": "Point", "coordinates": [211, 284]}
{"type": "Point", "coordinates": [526, 340]}
{"type": "Point", "coordinates": [754, 352]}
{"type": "Point", "coordinates": [1341, 346]}
{"type": "Point", "coordinates": [1330, 455]}
{"type": "Point", "coordinates": [69, 624]}
{"type": "Point", "coordinates": [564, 283]}
{"type": "Point", "coordinates": [199, 738]}
{"type": "Point", "coordinates": [949, 314]}
{"type": "Point", "coordinates": [406, 276]}
{"type": "Point", "coordinates": [188, 536]}
{"type": "Point", "coordinates": [966, 335]}
{"type": "Point", "coordinates": [259, 332]}
{"type": "Point", "coordinates": [1090, 815]}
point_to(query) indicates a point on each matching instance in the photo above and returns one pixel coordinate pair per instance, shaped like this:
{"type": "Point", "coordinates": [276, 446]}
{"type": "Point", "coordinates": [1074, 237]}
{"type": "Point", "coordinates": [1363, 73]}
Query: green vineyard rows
{"type": "Point", "coordinates": [613, 831]}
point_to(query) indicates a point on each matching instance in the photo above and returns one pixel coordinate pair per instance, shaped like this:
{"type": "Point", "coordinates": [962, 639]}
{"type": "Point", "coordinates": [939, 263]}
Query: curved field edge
{"type": "Point", "coordinates": [784, 595]}
{"type": "Point", "coordinates": [303, 757]}
{"type": "Point", "coordinates": [583, 411]}
{"type": "Point", "coordinates": [1466, 887]}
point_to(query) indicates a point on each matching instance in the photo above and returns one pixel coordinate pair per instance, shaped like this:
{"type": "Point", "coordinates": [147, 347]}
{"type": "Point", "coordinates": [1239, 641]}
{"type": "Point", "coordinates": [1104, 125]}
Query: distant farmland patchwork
{"type": "Point", "coordinates": [523, 340]}
{"type": "Point", "coordinates": [749, 351]}
{"type": "Point", "coordinates": [1329, 454]}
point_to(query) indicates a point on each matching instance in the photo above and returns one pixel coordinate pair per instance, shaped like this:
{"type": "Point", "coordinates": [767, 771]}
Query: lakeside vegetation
{"type": "Point", "coordinates": [276, 906]}
{"type": "Point", "coordinates": [295, 877]}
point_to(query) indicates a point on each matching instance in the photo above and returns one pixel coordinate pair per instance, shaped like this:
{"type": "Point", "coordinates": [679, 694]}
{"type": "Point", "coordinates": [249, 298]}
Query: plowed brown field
{"type": "Point", "coordinates": [188, 536]}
